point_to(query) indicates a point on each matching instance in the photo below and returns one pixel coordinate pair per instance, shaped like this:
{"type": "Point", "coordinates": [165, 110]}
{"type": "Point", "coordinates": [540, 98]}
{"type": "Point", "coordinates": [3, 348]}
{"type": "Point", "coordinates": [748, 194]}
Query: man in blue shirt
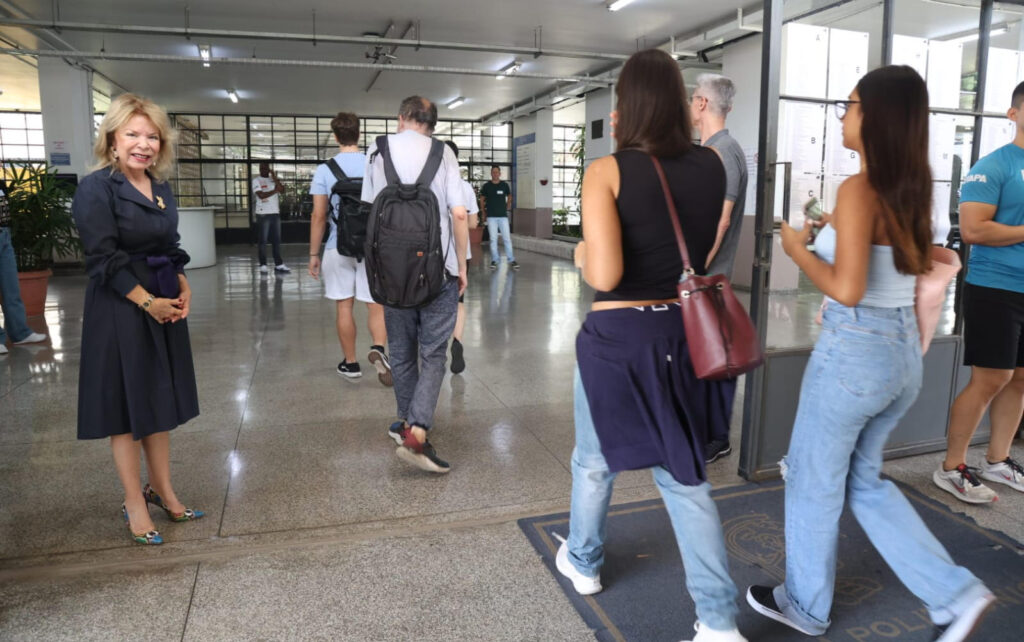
{"type": "Point", "coordinates": [992, 221]}
{"type": "Point", "coordinates": [344, 276]}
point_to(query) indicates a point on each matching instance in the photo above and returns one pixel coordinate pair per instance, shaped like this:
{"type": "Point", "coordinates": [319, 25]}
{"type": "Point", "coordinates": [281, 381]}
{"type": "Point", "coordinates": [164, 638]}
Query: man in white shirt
{"type": "Point", "coordinates": [418, 338]}
{"type": "Point", "coordinates": [267, 209]}
{"type": "Point", "coordinates": [345, 276]}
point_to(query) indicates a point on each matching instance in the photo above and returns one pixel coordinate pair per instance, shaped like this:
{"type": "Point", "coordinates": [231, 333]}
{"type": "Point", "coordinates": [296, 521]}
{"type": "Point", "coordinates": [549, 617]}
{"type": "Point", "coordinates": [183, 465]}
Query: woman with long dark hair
{"type": "Point", "coordinates": [865, 371]}
{"type": "Point", "coordinates": [638, 403]}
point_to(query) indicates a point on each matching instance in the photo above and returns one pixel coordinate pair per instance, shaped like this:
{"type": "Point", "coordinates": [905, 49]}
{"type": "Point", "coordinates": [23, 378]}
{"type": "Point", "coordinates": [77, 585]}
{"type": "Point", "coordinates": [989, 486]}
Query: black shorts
{"type": "Point", "coordinates": [993, 328]}
{"type": "Point", "coordinates": [462, 298]}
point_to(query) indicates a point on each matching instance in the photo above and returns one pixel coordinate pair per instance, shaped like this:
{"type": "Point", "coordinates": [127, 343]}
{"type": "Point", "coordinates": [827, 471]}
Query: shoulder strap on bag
{"type": "Point", "coordinates": [433, 163]}
{"type": "Point", "coordinates": [339, 174]}
{"type": "Point", "coordinates": [674, 215]}
{"type": "Point", "coordinates": [390, 174]}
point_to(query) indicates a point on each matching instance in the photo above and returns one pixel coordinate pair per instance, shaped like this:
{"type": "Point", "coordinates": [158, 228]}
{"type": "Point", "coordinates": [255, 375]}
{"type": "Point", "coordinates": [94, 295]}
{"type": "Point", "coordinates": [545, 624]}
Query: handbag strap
{"type": "Point", "coordinates": [674, 215]}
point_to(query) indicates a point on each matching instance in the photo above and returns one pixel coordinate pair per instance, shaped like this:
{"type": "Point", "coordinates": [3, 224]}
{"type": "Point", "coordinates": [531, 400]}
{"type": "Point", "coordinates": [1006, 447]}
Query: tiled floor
{"type": "Point", "coordinates": [315, 530]}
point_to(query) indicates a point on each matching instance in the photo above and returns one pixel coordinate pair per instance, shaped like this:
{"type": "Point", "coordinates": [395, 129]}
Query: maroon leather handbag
{"type": "Point", "coordinates": [721, 337]}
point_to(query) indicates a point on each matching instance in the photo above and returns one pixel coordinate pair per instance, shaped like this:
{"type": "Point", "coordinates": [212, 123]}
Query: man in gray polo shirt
{"type": "Point", "coordinates": [710, 104]}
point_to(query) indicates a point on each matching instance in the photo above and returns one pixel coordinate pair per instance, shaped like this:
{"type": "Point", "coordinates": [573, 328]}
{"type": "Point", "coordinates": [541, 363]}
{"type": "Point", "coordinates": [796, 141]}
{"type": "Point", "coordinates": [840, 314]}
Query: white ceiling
{"type": "Point", "coordinates": [566, 24]}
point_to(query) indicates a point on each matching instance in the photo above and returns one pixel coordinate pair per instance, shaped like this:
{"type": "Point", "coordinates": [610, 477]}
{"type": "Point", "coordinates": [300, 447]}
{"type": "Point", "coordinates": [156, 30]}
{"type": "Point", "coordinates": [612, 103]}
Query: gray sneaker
{"type": "Point", "coordinates": [1008, 472]}
{"type": "Point", "coordinates": [962, 482]}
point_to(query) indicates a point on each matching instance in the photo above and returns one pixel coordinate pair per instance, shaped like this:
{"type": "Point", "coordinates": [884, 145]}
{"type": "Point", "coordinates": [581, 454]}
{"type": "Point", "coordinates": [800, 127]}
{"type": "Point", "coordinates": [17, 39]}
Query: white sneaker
{"type": "Point", "coordinates": [263, 269]}
{"type": "Point", "coordinates": [584, 585]}
{"type": "Point", "coordinates": [284, 269]}
{"type": "Point", "coordinates": [704, 634]}
{"type": "Point", "coordinates": [1007, 472]}
{"type": "Point", "coordinates": [965, 623]}
{"type": "Point", "coordinates": [35, 337]}
{"type": "Point", "coordinates": [3, 349]}
{"type": "Point", "coordinates": [962, 483]}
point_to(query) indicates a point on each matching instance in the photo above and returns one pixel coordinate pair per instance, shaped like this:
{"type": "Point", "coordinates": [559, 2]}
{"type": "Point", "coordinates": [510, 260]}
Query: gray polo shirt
{"type": "Point", "coordinates": [409, 151]}
{"type": "Point", "coordinates": [736, 191]}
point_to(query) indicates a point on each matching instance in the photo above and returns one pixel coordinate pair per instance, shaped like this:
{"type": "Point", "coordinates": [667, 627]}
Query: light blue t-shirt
{"type": "Point", "coordinates": [998, 179]}
{"type": "Point", "coordinates": [352, 163]}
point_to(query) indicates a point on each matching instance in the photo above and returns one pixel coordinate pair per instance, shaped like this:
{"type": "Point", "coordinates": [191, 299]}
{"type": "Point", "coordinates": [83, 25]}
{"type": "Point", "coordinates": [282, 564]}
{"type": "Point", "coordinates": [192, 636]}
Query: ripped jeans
{"type": "Point", "coordinates": [863, 376]}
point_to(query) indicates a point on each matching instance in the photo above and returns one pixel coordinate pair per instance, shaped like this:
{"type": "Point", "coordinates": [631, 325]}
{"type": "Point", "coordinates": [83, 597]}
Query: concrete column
{"type": "Point", "coordinates": [598, 141]}
{"type": "Point", "coordinates": [533, 161]}
{"type": "Point", "coordinates": [65, 94]}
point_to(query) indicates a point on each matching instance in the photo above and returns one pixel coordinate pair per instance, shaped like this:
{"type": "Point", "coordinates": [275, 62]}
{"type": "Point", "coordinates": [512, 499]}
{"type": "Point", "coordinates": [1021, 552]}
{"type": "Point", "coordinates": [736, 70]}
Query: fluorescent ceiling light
{"type": "Point", "coordinates": [458, 102]}
{"type": "Point", "coordinates": [615, 5]}
{"type": "Point", "coordinates": [204, 53]}
{"type": "Point", "coordinates": [509, 69]}
{"type": "Point", "coordinates": [964, 38]}
{"type": "Point", "coordinates": [233, 95]}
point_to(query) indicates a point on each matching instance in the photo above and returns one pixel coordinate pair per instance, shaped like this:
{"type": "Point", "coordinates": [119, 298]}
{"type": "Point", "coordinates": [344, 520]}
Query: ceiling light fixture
{"type": "Point", "coordinates": [615, 5]}
{"type": "Point", "coordinates": [458, 102]}
{"type": "Point", "coordinates": [972, 35]}
{"type": "Point", "coordinates": [509, 69]}
{"type": "Point", "coordinates": [204, 53]}
{"type": "Point", "coordinates": [233, 95]}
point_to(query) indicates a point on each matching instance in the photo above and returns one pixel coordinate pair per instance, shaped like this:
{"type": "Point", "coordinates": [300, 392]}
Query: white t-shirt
{"type": "Point", "coordinates": [409, 151]}
{"type": "Point", "coordinates": [352, 163]}
{"type": "Point", "coordinates": [469, 196]}
{"type": "Point", "coordinates": [265, 205]}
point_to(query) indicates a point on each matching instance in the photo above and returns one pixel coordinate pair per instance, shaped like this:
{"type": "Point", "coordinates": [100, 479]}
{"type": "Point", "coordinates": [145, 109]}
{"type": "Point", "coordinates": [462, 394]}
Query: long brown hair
{"type": "Point", "coordinates": [894, 132]}
{"type": "Point", "coordinates": [653, 112]}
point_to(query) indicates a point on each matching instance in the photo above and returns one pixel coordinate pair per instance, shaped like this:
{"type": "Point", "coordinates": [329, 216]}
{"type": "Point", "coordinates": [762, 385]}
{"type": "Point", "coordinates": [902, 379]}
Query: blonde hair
{"type": "Point", "coordinates": [122, 109]}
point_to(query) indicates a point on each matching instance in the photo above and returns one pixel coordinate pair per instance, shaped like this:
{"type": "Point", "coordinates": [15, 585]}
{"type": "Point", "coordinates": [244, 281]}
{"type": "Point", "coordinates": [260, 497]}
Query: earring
{"type": "Point", "coordinates": [115, 154]}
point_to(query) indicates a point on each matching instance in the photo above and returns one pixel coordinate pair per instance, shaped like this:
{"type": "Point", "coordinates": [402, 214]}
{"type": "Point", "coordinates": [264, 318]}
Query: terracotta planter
{"type": "Point", "coordinates": [476, 235]}
{"type": "Point", "coordinates": [33, 291]}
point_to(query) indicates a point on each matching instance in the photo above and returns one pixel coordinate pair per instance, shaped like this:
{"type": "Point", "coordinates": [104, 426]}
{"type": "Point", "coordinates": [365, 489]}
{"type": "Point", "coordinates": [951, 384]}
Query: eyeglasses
{"type": "Point", "coordinates": [695, 97]}
{"type": "Point", "coordinates": [843, 106]}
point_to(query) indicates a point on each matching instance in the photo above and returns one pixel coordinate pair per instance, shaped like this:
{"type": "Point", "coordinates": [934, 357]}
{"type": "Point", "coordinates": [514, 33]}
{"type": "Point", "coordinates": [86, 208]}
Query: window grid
{"type": "Point", "coordinates": [567, 167]}
{"type": "Point", "coordinates": [21, 137]}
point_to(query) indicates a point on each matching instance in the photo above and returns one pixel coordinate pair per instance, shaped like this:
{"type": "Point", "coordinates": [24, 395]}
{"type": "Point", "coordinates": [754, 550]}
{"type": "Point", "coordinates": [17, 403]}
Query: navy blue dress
{"type": "Point", "coordinates": [136, 375]}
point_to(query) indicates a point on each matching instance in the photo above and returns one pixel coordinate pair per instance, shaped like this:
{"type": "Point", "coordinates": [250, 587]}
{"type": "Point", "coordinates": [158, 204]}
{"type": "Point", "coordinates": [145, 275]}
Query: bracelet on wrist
{"type": "Point", "coordinates": [148, 302]}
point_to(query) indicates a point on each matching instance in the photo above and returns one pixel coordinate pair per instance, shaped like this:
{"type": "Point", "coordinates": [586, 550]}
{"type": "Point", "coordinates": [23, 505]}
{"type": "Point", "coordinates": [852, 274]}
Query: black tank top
{"type": "Point", "coordinates": [650, 255]}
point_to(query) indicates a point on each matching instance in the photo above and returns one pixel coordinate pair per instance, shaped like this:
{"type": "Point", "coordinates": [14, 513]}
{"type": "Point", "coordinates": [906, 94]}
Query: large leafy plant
{"type": "Point", "coordinates": [41, 223]}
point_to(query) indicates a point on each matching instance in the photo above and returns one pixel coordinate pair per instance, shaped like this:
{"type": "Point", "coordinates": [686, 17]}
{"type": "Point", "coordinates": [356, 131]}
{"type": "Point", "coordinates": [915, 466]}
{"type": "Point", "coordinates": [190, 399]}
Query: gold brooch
{"type": "Point", "coordinates": [160, 203]}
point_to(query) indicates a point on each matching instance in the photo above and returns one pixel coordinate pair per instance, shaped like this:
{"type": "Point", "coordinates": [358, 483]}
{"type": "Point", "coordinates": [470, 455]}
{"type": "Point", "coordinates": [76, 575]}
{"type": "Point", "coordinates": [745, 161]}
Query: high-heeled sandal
{"type": "Point", "coordinates": [151, 538]}
{"type": "Point", "coordinates": [186, 516]}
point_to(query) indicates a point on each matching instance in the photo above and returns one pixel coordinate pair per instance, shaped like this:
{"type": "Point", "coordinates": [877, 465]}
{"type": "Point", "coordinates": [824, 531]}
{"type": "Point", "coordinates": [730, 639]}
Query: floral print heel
{"type": "Point", "coordinates": [152, 498]}
{"type": "Point", "coordinates": [152, 538]}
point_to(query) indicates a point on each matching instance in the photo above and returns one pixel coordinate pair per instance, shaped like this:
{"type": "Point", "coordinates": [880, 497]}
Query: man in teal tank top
{"type": "Point", "coordinates": [992, 221]}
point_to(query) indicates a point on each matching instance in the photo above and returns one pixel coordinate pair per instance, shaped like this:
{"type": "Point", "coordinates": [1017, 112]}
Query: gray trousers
{"type": "Point", "coordinates": [418, 346]}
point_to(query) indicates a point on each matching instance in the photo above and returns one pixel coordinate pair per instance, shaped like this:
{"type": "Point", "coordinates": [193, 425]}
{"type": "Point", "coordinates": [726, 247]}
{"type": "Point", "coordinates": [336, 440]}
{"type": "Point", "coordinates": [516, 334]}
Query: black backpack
{"type": "Point", "coordinates": [405, 263]}
{"type": "Point", "coordinates": [350, 213]}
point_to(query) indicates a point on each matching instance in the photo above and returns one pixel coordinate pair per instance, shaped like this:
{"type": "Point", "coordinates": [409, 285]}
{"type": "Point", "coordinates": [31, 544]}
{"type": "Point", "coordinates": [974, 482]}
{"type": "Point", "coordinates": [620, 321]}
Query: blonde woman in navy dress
{"type": "Point", "coordinates": [136, 380]}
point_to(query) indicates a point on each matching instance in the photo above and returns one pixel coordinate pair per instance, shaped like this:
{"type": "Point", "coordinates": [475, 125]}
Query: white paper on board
{"type": "Point", "coordinates": [847, 61]}
{"type": "Point", "coordinates": [804, 60]}
{"type": "Point", "coordinates": [803, 188]}
{"type": "Point", "coordinates": [945, 64]}
{"type": "Point", "coordinates": [996, 132]}
{"type": "Point", "coordinates": [801, 130]}
{"type": "Point", "coordinates": [839, 161]}
{"type": "Point", "coordinates": [911, 51]}
{"type": "Point", "coordinates": [941, 192]}
{"type": "Point", "coordinates": [829, 192]}
{"type": "Point", "coordinates": [1003, 66]}
{"type": "Point", "coordinates": [941, 145]}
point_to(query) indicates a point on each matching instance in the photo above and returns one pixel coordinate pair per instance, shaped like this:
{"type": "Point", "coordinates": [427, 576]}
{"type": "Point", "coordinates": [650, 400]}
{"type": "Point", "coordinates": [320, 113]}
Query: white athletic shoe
{"type": "Point", "coordinates": [264, 269]}
{"type": "Point", "coordinates": [35, 337]}
{"type": "Point", "coordinates": [704, 634]}
{"type": "Point", "coordinates": [3, 349]}
{"type": "Point", "coordinates": [584, 585]}
{"type": "Point", "coordinates": [282, 269]}
{"type": "Point", "coordinates": [965, 623]}
{"type": "Point", "coordinates": [962, 482]}
{"type": "Point", "coordinates": [1008, 472]}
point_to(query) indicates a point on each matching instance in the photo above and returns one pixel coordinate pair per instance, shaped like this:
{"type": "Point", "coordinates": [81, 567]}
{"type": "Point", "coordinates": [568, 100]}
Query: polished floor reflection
{"type": "Point", "coordinates": [314, 529]}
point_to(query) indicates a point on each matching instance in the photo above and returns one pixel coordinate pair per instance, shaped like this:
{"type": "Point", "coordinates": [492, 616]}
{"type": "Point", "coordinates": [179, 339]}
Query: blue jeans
{"type": "Point", "coordinates": [863, 376]}
{"type": "Point", "coordinates": [14, 310]}
{"type": "Point", "coordinates": [494, 226]}
{"type": "Point", "coordinates": [270, 229]}
{"type": "Point", "coordinates": [418, 347]}
{"type": "Point", "coordinates": [693, 513]}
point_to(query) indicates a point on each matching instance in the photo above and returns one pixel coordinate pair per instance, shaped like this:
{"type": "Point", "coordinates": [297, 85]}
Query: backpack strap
{"type": "Point", "coordinates": [339, 174]}
{"type": "Point", "coordinates": [390, 174]}
{"type": "Point", "coordinates": [433, 163]}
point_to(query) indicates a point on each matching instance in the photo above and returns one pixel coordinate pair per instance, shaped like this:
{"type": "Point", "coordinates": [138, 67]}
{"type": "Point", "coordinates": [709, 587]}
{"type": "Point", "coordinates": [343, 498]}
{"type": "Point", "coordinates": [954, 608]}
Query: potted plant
{"type": "Point", "coordinates": [41, 227]}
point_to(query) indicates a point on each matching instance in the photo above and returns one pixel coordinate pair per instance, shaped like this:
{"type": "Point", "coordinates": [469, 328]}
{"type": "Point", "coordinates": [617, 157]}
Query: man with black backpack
{"type": "Point", "coordinates": [416, 266]}
{"type": "Point", "coordinates": [337, 201]}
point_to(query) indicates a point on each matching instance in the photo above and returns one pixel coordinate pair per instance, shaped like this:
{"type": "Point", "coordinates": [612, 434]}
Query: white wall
{"type": "Point", "coordinates": [66, 99]}
{"type": "Point", "coordinates": [599, 104]}
{"type": "Point", "coordinates": [742, 63]}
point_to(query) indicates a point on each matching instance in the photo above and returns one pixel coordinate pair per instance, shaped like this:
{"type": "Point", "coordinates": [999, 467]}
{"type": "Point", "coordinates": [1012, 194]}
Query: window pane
{"type": "Point", "coordinates": [234, 122]}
